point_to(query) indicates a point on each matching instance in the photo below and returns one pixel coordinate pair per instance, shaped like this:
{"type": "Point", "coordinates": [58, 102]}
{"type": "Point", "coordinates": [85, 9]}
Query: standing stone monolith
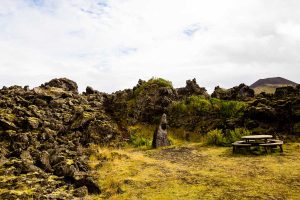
{"type": "Point", "coordinates": [160, 136]}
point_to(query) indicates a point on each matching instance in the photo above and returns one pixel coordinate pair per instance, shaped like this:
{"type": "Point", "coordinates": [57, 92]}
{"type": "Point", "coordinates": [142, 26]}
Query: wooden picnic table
{"type": "Point", "coordinates": [265, 141]}
{"type": "Point", "coordinates": [256, 138]}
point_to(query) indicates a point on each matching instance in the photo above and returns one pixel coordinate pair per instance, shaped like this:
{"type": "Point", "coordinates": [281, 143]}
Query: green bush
{"type": "Point", "coordinates": [215, 137]}
{"type": "Point", "coordinates": [198, 104]}
{"type": "Point", "coordinates": [216, 104]}
{"type": "Point", "coordinates": [232, 108]}
{"type": "Point", "coordinates": [193, 105]}
{"type": "Point", "coordinates": [235, 135]}
{"type": "Point", "coordinates": [179, 107]}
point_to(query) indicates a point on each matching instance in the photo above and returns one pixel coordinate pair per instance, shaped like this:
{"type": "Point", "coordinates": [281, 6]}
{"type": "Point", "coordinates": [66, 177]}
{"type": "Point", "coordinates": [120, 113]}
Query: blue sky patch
{"type": "Point", "coordinates": [103, 3]}
{"type": "Point", "coordinates": [37, 2]}
{"type": "Point", "coordinates": [192, 29]}
{"type": "Point", "coordinates": [127, 50]}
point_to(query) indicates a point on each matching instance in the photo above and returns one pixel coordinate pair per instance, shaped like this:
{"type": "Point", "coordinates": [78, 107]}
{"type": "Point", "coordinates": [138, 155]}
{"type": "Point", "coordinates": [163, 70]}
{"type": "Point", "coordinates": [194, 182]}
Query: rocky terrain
{"type": "Point", "coordinates": [46, 132]}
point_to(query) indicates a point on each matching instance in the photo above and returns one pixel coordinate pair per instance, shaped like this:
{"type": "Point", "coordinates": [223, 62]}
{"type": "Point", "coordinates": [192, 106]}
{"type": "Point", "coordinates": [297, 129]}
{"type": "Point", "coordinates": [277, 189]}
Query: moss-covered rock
{"type": "Point", "coordinates": [241, 92]}
{"type": "Point", "coordinates": [33, 122]}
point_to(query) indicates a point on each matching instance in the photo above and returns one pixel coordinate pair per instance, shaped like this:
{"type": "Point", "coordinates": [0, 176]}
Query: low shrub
{"type": "Point", "coordinates": [179, 107]}
{"type": "Point", "coordinates": [139, 141]}
{"type": "Point", "coordinates": [232, 108]}
{"type": "Point", "coordinates": [215, 137]}
{"type": "Point", "coordinates": [218, 138]}
{"type": "Point", "coordinates": [141, 136]}
{"type": "Point", "coordinates": [198, 104]}
{"type": "Point", "coordinates": [235, 135]}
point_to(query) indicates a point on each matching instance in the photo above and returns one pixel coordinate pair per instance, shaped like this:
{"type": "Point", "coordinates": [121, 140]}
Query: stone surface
{"type": "Point", "coordinates": [81, 192]}
{"type": "Point", "coordinates": [240, 92]}
{"type": "Point", "coordinates": [63, 83]}
{"type": "Point", "coordinates": [160, 136]}
{"type": "Point", "coordinates": [44, 133]}
{"type": "Point", "coordinates": [192, 88]}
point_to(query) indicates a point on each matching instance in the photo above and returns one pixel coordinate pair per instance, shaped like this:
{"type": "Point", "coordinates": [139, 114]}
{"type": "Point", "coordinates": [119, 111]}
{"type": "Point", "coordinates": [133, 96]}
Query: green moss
{"type": "Point", "coordinates": [158, 82]}
{"type": "Point", "coordinates": [82, 119]}
{"type": "Point", "coordinates": [34, 122]}
{"type": "Point", "coordinates": [5, 114]}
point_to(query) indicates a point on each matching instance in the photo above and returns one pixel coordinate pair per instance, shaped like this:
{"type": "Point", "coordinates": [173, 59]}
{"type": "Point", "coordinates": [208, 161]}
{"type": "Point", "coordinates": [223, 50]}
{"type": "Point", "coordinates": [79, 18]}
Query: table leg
{"type": "Point", "coordinates": [266, 150]}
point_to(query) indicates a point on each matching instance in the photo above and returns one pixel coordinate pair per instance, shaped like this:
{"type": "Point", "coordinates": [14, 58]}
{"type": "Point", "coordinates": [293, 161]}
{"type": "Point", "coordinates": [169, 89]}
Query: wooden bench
{"type": "Point", "coordinates": [272, 144]}
{"type": "Point", "coordinates": [239, 144]}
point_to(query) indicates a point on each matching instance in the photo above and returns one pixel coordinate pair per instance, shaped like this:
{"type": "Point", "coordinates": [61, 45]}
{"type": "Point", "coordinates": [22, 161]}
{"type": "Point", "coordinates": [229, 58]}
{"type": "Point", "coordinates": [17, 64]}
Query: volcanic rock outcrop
{"type": "Point", "coordinates": [44, 133]}
{"type": "Point", "coordinates": [144, 103]}
{"type": "Point", "coordinates": [192, 88]}
{"type": "Point", "coordinates": [278, 113]}
{"type": "Point", "coordinates": [240, 92]}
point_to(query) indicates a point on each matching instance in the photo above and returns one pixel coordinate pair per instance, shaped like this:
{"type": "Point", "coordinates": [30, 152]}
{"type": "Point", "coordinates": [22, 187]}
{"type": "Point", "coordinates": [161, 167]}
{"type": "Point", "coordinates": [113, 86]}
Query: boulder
{"type": "Point", "coordinates": [160, 136]}
{"type": "Point", "coordinates": [287, 91]}
{"type": "Point", "coordinates": [7, 125]}
{"type": "Point", "coordinates": [192, 88]}
{"type": "Point", "coordinates": [89, 90]}
{"type": "Point", "coordinates": [81, 192]}
{"type": "Point", "coordinates": [33, 122]}
{"type": "Point", "coordinates": [241, 92]}
{"type": "Point", "coordinates": [64, 83]}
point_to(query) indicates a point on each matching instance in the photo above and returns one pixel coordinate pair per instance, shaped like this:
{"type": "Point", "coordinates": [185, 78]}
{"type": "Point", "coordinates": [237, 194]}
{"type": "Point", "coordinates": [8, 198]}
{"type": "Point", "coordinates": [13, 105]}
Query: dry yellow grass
{"type": "Point", "coordinates": [195, 171]}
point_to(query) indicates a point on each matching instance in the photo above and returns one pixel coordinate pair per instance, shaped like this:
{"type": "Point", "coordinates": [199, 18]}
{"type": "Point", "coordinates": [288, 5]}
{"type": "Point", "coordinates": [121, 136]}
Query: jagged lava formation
{"type": "Point", "coordinates": [46, 131]}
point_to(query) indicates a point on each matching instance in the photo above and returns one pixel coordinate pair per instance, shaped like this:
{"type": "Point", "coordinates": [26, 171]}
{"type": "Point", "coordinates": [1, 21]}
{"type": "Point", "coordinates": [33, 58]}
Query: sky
{"type": "Point", "coordinates": [111, 44]}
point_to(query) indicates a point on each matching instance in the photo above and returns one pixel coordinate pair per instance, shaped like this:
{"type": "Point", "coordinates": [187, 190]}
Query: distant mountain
{"type": "Point", "coordinates": [269, 85]}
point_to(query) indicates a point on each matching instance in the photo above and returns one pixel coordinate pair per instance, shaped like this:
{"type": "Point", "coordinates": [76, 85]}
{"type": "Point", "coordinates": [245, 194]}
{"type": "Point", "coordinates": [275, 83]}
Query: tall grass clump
{"type": "Point", "coordinates": [140, 136]}
{"type": "Point", "coordinates": [219, 138]}
{"type": "Point", "coordinates": [139, 141]}
{"type": "Point", "coordinates": [215, 137]}
{"type": "Point", "coordinates": [235, 135]}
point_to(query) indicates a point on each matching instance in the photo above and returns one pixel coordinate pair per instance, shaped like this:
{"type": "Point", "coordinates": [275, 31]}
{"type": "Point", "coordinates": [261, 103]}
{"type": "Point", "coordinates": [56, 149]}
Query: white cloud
{"type": "Point", "coordinates": [111, 44]}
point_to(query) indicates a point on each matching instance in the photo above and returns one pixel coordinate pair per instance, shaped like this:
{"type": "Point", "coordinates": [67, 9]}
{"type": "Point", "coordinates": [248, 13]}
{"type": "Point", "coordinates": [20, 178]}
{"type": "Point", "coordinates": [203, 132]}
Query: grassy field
{"type": "Point", "coordinates": [196, 171]}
